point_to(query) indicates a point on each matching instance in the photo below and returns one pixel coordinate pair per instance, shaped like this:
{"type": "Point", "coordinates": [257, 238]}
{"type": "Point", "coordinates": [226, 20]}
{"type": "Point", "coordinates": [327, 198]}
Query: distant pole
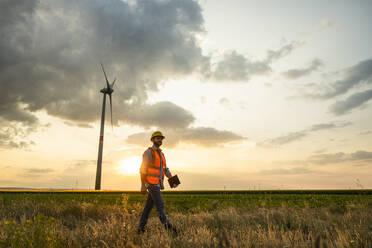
{"type": "Point", "coordinates": [100, 147]}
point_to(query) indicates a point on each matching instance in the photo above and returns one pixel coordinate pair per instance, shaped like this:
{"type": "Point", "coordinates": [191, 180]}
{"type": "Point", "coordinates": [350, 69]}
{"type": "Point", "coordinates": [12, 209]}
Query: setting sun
{"type": "Point", "coordinates": [130, 165]}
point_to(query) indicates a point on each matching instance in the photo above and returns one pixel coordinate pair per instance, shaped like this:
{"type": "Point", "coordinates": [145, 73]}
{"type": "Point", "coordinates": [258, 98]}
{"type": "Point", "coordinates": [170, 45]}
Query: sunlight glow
{"type": "Point", "coordinates": [130, 165]}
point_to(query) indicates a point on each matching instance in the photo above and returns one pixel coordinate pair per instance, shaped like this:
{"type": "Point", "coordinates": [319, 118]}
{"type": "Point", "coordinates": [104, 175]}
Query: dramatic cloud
{"type": "Point", "coordinates": [323, 126]}
{"type": "Point", "coordinates": [354, 101]}
{"type": "Point", "coordinates": [50, 53]}
{"type": "Point", "coordinates": [297, 73]}
{"type": "Point", "coordinates": [357, 75]}
{"type": "Point", "coordinates": [281, 140]}
{"type": "Point", "coordinates": [236, 67]}
{"type": "Point", "coordinates": [353, 77]}
{"type": "Point", "coordinates": [206, 136]}
{"type": "Point", "coordinates": [285, 50]}
{"type": "Point", "coordinates": [361, 155]}
{"type": "Point", "coordinates": [161, 114]}
{"type": "Point", "coordinates": [339, 157]}
{"type": "Point", "coordinates": [295, 136]}
{"type": "Point", "coordinates": [203, 136]}
{"type": "Point", "coordinates": [14, 134]}
{"type": "Point", "coordinates": [332, 158]}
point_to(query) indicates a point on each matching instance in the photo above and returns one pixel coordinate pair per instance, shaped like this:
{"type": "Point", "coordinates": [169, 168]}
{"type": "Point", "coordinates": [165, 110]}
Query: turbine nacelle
{"type": "Point", "coordinates": [107, 91]}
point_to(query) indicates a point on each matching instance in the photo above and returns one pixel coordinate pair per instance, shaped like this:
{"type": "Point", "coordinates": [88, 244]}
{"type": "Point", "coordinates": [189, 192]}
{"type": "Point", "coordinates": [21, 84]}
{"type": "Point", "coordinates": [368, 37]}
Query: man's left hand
{"type": "Point", "coordinates": [143, 189]}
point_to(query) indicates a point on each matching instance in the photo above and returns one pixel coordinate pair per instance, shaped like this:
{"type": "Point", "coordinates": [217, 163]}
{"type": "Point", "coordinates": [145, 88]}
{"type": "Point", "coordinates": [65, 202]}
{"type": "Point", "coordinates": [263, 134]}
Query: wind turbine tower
{"type": "Point", "coordinates": [106, 91]}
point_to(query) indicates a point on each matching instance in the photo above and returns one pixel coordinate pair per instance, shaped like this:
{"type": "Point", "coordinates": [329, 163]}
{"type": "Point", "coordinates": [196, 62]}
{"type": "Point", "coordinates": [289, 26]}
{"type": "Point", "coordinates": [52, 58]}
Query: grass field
{"type": "Point", "coordinates": [207, 219]}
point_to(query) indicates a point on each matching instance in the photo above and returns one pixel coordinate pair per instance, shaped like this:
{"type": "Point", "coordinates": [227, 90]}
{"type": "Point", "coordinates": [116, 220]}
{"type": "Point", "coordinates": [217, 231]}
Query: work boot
{"type": "Point", "coordinates": [170, 228]}
{"type": "Point", "coordinates": [175, 231]}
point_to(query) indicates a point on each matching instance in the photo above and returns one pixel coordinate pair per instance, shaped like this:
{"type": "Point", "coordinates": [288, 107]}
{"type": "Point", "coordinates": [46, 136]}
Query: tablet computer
{"type": "Point", "coordinates": [173, 181]}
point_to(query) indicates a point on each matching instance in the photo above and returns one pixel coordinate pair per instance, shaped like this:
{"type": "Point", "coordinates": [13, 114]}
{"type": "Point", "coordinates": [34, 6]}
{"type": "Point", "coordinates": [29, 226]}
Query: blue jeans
{"type": "Point", "coordinates": [154, 197]}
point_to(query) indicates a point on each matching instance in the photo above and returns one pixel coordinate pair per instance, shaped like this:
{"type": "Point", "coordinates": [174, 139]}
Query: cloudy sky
{"type": "Point", "coordinates": [249, 94]}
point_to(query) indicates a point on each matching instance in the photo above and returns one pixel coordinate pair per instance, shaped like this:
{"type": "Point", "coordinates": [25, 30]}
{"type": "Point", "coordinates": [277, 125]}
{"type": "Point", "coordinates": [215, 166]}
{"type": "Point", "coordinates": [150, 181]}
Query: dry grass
{"type": "Point", "coordinates": [82, 224]}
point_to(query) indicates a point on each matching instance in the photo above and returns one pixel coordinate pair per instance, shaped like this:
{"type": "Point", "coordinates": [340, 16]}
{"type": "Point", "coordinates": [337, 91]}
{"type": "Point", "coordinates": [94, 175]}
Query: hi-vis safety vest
{"type": "Point", "coordinates": [153, 170]}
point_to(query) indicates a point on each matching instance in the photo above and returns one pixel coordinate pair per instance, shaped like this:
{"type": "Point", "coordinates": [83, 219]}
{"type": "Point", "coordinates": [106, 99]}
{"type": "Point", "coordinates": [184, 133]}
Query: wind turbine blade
{"type": "Point", "coordinates": [113, 82]}
{"type": "Point", "coordinates": [103, 69]}
{"type": "Point", "coordinates": [111, 111]}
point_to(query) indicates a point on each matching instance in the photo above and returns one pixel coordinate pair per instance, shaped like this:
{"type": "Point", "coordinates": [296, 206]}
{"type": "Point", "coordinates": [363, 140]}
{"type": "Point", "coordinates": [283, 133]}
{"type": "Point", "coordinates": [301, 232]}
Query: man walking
{"type": "Point", "coordinates": [152, 171]}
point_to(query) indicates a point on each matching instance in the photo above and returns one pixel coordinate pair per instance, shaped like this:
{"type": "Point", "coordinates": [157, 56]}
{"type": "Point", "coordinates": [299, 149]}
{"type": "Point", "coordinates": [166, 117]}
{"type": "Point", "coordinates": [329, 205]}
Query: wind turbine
{"type": "Point", "coordinates": [108, 90]}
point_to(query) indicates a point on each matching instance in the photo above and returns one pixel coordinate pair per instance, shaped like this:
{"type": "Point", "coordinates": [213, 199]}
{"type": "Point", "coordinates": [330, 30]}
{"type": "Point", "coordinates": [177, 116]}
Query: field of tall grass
{"type": "Point", "coordinates": [205, 220]}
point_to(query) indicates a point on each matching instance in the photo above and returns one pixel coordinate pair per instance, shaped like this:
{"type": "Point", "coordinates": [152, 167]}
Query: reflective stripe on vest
{"type": "Point", "coordinates": [153, 170]}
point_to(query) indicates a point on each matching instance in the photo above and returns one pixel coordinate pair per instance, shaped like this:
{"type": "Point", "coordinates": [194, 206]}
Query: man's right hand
{"type": "Point", "coordinates": [143, 189]}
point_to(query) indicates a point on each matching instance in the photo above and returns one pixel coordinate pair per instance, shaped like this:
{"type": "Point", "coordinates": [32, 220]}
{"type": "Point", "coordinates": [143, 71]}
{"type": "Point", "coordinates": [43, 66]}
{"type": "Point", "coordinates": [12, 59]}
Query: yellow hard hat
{"type": "Point", "coordinates": [157, 133]}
